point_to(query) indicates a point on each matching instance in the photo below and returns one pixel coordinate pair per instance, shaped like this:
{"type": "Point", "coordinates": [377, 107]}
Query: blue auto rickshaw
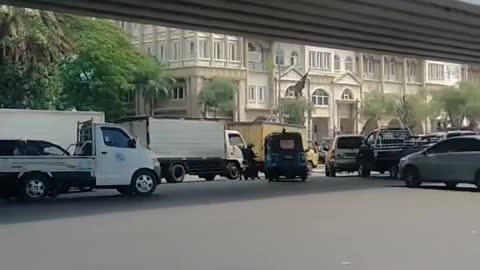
{"type": "Point", "coordinates": [285, 156]}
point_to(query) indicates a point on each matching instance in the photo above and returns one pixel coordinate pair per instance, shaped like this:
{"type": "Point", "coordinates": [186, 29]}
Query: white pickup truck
{"type": "Point", "coordinates": [106, 157]}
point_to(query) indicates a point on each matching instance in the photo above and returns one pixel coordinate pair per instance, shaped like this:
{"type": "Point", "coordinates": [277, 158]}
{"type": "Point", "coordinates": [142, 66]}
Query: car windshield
{"type": "Point", "coordinates": [349, 142]}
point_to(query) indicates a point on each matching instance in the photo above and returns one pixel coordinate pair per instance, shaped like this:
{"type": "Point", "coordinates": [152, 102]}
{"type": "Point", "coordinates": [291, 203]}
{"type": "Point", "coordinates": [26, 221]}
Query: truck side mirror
{"type": "Point", "coordinates": [132, 143]}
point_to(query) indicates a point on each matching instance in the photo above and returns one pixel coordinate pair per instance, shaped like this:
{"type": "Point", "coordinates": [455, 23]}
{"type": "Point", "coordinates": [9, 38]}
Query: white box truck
{"type": "Point", "coordinates": [106, 157]}
{"type": "Point", "coordinates": [189, 146]}
{"type": "Point", "coordinates": [58, 127]}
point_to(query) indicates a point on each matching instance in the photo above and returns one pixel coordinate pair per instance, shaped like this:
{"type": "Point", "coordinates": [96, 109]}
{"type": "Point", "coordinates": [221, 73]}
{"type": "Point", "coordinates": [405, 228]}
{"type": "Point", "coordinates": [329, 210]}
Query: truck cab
{"type": "Point", "coordinates": [234, 146]}
{"type": "Point", "coordinates": [116, 153]}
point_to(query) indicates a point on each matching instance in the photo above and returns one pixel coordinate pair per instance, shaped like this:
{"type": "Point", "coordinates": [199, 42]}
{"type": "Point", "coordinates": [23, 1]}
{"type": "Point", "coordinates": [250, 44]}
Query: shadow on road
{"type": "Point", "coordinates": [441, 187]}
{"type": "Point", "coordinates": [176, 195]}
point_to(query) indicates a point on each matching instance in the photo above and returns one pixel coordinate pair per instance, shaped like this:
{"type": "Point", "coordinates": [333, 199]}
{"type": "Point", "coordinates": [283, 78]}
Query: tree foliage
{"type": "Point", "coordinates": [32, 45]}
{"type": "Point", "coordinates": [29, 88]}
{"type": "Point", "coordinates": [32, 37]}
{"type": "Point", "coordinates": [217, 96]}
{"type": "Point", "coordinates": [458, 103]}
{"type": "Point", "coordinates": [106, 69]}
{"type": "Point", "coordinates": [295, 111]}
{"type": "Point", "coordinates": [376, 105]}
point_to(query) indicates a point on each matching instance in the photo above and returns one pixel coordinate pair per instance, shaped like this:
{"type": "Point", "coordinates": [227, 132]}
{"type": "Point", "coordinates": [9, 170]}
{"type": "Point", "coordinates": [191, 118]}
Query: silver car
{"type": "Point", "coordinates": [450, 161]}
{"type": "Point", "coordinates": [342, 156]}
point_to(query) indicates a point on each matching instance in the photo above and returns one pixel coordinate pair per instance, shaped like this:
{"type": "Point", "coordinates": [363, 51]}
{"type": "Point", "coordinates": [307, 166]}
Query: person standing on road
{"type": "Point", "coordinates": [252, 170]}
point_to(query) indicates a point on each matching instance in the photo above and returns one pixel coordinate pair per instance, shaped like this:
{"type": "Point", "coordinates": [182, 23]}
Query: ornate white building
{"type": "Point", "coordinates": [265, 69]}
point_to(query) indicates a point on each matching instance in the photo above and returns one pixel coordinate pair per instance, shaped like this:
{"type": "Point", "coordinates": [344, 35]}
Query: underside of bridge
{"type": "Point", "coordinates": [435, 29]}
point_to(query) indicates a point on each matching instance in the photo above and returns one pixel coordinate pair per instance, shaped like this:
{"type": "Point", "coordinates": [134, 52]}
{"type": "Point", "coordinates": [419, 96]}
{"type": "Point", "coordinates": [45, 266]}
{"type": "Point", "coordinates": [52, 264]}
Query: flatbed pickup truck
{"type": "Point", "coordinates": [106, 157]}
{"type": "Point", "coordinates": [382, 150]}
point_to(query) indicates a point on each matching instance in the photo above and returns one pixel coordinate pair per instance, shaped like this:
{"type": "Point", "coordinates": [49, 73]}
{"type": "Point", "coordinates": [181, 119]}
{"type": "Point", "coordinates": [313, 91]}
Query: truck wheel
{"type": "Point", "coordinates": [411, 178]}
{"type": "Point", "coordinates": [34, 187]}
{"type": "Point", "coordinates": [176, 173]}
{"type": "Point", "coordinates": [233, 171]}
{"type": "Point", "coordinates": [143, 183]}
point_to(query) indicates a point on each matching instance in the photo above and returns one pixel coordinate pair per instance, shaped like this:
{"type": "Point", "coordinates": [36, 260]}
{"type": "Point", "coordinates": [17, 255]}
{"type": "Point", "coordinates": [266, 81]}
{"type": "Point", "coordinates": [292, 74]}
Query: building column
{"type": "Point", "coordinates": [332, 119]}
{"type": "Point", "coordinates": [382, 74]}
{"type": "Point", "coordinates": [168, 45]}
{"type": "Point", "coordinates": [141, 32]}
{"type": "Point", "coordinates": [155, 41]}
{"type": "Point", "coordinates": [225, 50]}
{"type": "Point", "coordinates": [196, 84]}
{"type": "Point", "coordinates": [361, 68]}
{"type": "Point", "coordinates": [405, 76]}
{"type": "Point", "coordinates": [197, 49]}
{"type": "Point", "coordinates": [241, 101]}
{"type": "Point", "coordinates": [182, 51]}
{"type": "Point", "coordinates": [241, 51]}
{"type": "Point", "coordinates": [212, 49]}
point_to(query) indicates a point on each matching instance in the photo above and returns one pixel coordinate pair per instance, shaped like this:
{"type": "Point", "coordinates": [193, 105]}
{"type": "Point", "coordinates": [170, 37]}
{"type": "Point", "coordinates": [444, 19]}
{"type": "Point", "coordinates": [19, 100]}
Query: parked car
{"type": "Point", "coordinates": [342, 156]}
{"type": "Point", "coordinates": [450, 161]}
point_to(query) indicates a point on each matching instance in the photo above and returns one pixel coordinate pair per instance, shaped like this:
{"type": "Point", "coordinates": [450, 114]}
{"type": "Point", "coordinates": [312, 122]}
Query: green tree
{"type": "Point", "coordinates": [295, 111]}
{"type": "Point", "coordinates": [32, 45]}
{"type": "Point", "coordinates": [106, 69]}
{"type": "Point", "coordinates": [217, 96]}
{"type": "Point", "coordinates": [459, 102]}
{"type": "Point", "coordinates": [29, 36]}
{"type": "Point", "coordinates": [28, 88]}
{"type": "Point", "coordinates": [376, 105]}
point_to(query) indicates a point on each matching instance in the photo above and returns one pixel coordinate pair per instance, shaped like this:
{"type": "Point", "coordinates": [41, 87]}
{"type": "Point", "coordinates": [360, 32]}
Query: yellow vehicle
{"type": "Point", "coordinates": [256, 132]}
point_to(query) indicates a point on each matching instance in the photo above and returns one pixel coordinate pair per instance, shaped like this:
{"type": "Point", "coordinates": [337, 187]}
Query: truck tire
{"type": "Point", "coordinates": [176, 173]}
{"type": "Point", "coordinates": [411, 178]}
{"type": "Point", "coordinates": [34, 187]}
{"type": "Point", "coordinates": [144, 183]}
{"type": "Point", "coordinates": [233, 171]}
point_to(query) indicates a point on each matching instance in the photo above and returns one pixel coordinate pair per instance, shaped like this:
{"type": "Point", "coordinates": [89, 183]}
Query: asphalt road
{"type": "Point", "coordinates": [326, 223]}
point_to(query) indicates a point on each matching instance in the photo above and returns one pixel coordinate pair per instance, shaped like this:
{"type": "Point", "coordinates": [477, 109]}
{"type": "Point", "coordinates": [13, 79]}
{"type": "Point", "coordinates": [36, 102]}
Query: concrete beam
{"type": "Point", "coordinates": [437, 29]}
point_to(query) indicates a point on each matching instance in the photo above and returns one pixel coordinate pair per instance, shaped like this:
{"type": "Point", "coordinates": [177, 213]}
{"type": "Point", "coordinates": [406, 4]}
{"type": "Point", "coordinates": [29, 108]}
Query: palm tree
{"type": "Point", "coordinates": [31, 36]}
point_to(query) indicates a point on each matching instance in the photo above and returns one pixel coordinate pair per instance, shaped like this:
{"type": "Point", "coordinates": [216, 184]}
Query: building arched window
{"type": "Point", "coordinates": [348, 63]}
{"type": "Point", "coordinates": [294, 58]}
{"type": "Point", "coordinates": [320, 97]}
{"type": "Point", "coordinates": [347, 94]}
{"type": "Point", "coordinates": [336, 62]}
{"type": "Point", "coordinates": [279, 57]}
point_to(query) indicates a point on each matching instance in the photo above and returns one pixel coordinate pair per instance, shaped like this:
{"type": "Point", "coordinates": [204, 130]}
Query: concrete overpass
{"type": "Point", "coordinates": [436, 29]}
